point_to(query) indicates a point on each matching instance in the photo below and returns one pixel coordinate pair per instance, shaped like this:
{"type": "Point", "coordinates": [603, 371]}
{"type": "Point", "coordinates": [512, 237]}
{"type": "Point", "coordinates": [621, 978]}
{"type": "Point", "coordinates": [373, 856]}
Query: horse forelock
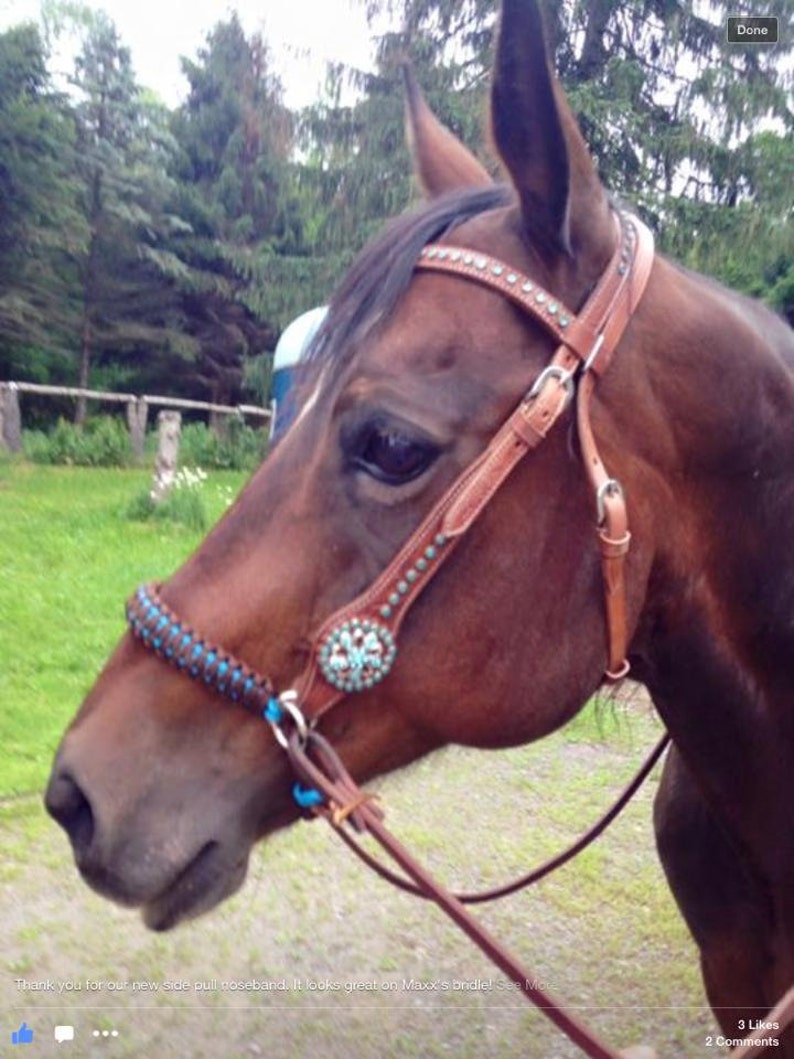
{"type": "Point", "coordinates": [382, 272]}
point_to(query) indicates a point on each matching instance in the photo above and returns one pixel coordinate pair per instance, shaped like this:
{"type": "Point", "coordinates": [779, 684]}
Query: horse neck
{"type": "Point", "coordinates": [715, 643]}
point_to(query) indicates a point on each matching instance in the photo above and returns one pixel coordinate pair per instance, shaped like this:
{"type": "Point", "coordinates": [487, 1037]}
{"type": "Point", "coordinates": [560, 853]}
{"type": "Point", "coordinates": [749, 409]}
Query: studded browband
{"type": "Point", "coordinates": [355, 648]}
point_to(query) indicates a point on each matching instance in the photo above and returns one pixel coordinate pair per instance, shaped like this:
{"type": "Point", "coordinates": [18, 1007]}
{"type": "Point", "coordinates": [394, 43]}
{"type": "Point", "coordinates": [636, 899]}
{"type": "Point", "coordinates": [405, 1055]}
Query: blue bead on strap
{"type": "Point", "coordinates": [273, 712]}
{"type": "Point", "coordinates": [307, 797]}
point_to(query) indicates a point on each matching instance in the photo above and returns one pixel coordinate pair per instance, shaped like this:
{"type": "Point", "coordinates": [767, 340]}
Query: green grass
{"type": "Point", "coordinates": [69, 558]}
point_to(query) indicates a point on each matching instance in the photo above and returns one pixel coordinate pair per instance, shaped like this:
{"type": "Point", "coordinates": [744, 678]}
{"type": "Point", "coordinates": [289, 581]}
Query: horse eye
{"type": "Point", "coordinates": [393, 457]}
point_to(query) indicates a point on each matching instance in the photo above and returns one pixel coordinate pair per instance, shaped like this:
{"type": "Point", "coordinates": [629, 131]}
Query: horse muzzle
{"type": "Point", "coordinates": [150, 825]}
{"type": "Point", "coordinates": [170, 876]}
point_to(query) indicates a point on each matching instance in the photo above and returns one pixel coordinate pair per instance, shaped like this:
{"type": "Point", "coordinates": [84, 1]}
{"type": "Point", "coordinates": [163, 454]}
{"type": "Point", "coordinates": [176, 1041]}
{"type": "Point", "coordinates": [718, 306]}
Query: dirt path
{"type": "Point", "coordinates": [315, 957]}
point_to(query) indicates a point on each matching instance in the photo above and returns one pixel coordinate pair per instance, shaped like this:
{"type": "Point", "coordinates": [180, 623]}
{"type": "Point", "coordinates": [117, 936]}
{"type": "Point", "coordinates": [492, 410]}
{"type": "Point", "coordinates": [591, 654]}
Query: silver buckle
{"type": "Point", "coordinates": [553, 371]}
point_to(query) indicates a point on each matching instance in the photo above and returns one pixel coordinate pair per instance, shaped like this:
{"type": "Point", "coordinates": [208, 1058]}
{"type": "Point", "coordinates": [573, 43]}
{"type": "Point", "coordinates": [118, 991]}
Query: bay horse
{"type": "Point", "coordinates": [164, 786]}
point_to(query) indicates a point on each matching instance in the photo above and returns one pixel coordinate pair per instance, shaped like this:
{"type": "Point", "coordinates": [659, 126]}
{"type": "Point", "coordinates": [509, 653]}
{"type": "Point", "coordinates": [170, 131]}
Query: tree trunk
{"type": "Point", "coordinates": [89, 296]}
{"type": "Point", "coordinates": [594, 54]}
{"type": "Point", "coordinates": [85, 367]}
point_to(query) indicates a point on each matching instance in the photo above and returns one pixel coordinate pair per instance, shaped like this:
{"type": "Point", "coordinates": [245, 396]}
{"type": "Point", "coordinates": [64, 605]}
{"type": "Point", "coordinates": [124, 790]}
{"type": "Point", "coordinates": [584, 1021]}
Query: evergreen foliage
{"type": "Point", "coordinates": [157, 250]}
{"type": "Point", "coordinates": [41, 225]}
{"type": "Point", "coordinates": [696, 134]}
{"type": "Point", "coordinates": [129, 308]}
{"type": "Point", "coordinates": [234, 137]}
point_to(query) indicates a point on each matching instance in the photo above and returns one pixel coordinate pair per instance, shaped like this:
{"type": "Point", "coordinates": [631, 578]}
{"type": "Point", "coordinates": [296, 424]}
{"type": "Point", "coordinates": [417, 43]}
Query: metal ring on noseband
{"type": "Point", "coordinates": [286, 702]}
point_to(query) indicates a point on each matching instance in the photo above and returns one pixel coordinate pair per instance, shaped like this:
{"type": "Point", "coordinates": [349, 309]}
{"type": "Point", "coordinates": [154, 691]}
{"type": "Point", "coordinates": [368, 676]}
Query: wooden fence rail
{"type": "Point", "coordinates": [137, 409]}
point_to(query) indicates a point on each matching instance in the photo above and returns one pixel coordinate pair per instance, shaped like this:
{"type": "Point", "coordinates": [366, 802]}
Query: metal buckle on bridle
{"type": "Point", "coordinates": [565, 378]}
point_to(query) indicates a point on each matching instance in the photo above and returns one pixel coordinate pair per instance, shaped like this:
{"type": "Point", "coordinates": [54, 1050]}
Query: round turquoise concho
{"type": "Point", "coordinates": [357, 655]}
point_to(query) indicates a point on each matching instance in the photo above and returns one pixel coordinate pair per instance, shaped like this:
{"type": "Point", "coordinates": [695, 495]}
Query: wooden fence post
{"type": "Point", "coordinates": [169, 427]}
{"type": "Point", "coordinates": [137, 414]}
{"type": "Point", "coordinates": [10, 418]}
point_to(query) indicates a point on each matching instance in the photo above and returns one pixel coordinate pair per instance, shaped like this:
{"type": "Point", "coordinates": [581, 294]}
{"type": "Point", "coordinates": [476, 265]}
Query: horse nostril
{"type": "Point", "coordinates": [66, 802]}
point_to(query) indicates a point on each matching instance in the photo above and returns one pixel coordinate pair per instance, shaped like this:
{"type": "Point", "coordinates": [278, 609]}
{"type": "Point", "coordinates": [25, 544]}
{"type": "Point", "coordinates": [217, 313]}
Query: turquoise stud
{"type": "Point", "coordinates": [357, 655]}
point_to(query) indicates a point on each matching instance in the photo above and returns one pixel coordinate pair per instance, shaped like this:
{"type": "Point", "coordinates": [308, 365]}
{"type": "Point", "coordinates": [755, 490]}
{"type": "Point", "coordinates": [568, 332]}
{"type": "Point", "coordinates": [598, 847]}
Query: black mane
{"type": "Point", "coordinates": [382, 271]}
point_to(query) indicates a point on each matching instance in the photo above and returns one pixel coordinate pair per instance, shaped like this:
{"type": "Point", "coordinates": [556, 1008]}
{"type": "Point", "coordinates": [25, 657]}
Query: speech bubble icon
{"type": "Point", "coordinates": [64, 1033]}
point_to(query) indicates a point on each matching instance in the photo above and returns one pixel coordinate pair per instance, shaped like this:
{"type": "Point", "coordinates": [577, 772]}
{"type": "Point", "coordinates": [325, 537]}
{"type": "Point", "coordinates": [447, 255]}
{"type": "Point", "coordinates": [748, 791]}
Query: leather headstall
{"type": "Point", "coordinates": [355, 648]}
{"type": "Point", "coordinates": [368, 626]}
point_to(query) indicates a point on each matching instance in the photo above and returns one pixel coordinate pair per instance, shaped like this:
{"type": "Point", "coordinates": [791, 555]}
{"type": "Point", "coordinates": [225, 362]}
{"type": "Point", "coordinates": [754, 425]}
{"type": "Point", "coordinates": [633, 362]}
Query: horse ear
{"type": "Point", "coordinates": [441, 162]}
{"type": "Point", "coordinates": [563, 203]}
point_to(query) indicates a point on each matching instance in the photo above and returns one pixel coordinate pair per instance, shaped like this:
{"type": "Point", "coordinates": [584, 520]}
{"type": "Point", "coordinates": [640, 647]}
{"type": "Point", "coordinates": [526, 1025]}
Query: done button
{"type": "Point", "coordinates": [752, 30]}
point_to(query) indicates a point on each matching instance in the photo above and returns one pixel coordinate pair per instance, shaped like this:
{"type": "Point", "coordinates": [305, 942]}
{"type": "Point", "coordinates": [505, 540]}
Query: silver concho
{"type": "Point", "coordinates": [357, 655]}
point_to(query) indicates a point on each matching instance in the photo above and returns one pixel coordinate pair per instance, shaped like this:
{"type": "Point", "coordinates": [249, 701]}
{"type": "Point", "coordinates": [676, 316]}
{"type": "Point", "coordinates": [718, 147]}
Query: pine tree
{"type": "Point", "coordinates": [234, 137]}
{"type": "Point", "coordinates": [41, 228]}
{"type": "Point", "coordinates": [131, 326]}
{"type": "Point", "coordinates": [673, 114]}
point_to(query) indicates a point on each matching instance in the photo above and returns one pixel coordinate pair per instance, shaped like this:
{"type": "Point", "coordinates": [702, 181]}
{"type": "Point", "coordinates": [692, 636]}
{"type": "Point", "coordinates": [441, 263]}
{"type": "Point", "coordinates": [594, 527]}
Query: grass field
{"type": "Point", "coordinates": [603, 932]}
{"type": "Point", "coordinates": [69, 559]}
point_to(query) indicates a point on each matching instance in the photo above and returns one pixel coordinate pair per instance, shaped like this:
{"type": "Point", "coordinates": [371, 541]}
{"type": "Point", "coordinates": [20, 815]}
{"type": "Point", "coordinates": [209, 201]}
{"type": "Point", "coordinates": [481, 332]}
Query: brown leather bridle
{"type": "Point", "coordinates": [355, 647]}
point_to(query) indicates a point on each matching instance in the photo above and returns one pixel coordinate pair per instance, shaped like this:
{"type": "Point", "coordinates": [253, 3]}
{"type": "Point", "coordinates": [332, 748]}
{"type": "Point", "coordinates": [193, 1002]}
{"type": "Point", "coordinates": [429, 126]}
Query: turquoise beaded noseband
{"type": "Point", "coordinates": [157, 627]}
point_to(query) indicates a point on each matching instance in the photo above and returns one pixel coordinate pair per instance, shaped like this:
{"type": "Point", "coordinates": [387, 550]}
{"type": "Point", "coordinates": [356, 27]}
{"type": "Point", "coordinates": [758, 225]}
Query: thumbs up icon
{"type": "Point", "coordinates": [24, 1035]}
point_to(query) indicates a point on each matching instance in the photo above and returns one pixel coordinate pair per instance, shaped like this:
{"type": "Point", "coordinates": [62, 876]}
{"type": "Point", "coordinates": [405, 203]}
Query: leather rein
{"type": "Point", "coordinates": [355, 648]}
